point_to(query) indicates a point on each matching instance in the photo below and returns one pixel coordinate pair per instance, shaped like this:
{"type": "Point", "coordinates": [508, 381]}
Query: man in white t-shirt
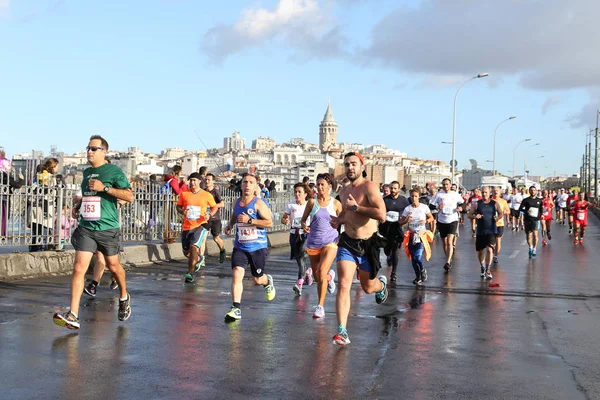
{"type": "Point", "coordinates": [561, 206]}
{"type": "Point", "coordinates": [448, 203]}
{"type": "Point", "coordinates": [515, 203]}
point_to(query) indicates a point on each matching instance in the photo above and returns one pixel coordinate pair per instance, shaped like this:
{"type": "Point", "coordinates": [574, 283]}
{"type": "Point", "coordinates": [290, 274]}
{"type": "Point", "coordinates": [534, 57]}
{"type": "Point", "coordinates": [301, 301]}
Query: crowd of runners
{"type": "Point", "coordinates": [349, 226]}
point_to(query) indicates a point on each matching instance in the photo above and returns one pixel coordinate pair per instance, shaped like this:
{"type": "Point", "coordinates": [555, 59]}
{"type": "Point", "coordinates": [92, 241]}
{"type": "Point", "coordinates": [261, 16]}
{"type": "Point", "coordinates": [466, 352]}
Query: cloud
{"type": "Point", "coordinates": [301, 24]}
{"type": "Point", "coordinates": [550, 102]}
{"type": "Point", "coordinates": [549, 44]}
{"type": "Point", "coordinates": [586, 116]}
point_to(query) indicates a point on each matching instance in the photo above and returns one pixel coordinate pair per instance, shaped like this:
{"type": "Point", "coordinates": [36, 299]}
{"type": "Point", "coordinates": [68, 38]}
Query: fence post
{"type": "Point", "coordinates": [58, 222]}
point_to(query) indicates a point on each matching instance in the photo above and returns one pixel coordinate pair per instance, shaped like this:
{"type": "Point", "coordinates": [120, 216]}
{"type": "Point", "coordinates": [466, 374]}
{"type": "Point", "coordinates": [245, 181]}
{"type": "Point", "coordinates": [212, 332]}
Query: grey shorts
{"type": "Point", "coordinates": [107, 242]}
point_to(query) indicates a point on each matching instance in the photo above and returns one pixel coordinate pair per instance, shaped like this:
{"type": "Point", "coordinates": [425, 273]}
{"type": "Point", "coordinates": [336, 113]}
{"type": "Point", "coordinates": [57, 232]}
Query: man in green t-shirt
{"type": "Point", "coordinates": [102, 186]}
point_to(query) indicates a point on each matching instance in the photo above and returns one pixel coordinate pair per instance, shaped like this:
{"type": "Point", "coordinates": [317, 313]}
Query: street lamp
{"type": "Point", "coordinates": [495, 131]}
{"type": "Point", "coordinates": [514, 171]}
{"type": "Point", "coordinates": [525, 157]}
{"type": "Point", "coordinates": [453, 160]}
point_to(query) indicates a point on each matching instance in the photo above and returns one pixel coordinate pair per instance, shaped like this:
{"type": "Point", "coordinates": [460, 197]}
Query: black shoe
{"type": "Point", "coordinates": [447, 267]}
{"type": "Point", "coordinates": [393, 278]}
{"type": "Point", "coordinates": [113, 284]}
{"type": "Point", "coordinates": [125, 308]}
{"type": "Point", "coordinates": [417, 280]}
{"type": "Point", "coordinates": [222, 254]}
{"type": "Point", "coordinates": [423, 275]}
{"type": "Point", "coordinates": [90, 290]}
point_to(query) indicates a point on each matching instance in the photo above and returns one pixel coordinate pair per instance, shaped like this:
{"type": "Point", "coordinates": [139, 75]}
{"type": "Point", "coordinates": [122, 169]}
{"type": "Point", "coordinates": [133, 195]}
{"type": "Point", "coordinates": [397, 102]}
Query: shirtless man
{"type": "Point", "coordinates": [359, 245]}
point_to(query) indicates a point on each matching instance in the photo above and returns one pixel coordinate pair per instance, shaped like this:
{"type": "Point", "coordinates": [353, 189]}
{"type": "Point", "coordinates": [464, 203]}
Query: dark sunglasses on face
{"type": "Point", "coordinates": [93, 148]}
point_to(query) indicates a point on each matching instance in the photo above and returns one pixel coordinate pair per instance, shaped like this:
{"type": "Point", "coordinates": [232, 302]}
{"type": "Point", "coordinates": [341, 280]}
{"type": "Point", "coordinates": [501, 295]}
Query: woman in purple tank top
{"type": "Point", "coordinates": [321, 242]}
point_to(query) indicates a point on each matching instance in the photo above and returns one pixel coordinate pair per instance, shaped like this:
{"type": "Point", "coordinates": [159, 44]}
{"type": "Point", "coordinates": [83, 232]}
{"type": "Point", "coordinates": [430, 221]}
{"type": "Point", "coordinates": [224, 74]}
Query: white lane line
{"type": "Point", "coordinates": [514, 254]}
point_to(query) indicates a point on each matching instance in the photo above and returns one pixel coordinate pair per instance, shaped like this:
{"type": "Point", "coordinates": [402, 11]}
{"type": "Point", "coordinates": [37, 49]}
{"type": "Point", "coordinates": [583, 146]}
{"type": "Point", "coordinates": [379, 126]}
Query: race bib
{"type": "Point", "coordinates": [247, 233]}
{"type": "Point", "coordinates": [416, 239]}
{"type": "Point", "coordinates": [474, 202]}
{"type": "Point", "coordinates": [193, 213]}
{"type": "Point", "coordinates": [90, 208]}
{"type": "Point", "coordinates": [448, 210]}
{"type": "Point", "coordinates": [415, 226]}
{"type": "Point", "coordinates": [571, 203]}
{"type": "Point", "coordinates": [580, 215]}
{"type": "Point", "coordinates": [562, 204]}
{"type": "Point", "coordinates": [546, 212]}
{"type": "Point", "coordinates": [392, 216]}
{"type": "Point", "coordinates": [297, 223]}
{"type": "Point", "coordinates": [533, 212]}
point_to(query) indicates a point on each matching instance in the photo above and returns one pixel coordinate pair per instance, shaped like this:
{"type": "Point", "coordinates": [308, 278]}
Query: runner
{"type": "Point", "coordinates": [500, 223]}
{"type": "Point", "coordinates": [548, 205]}
{"type": "Point", "coordinates": [417, 215]}
{"type": "Point", "coordinates": [433, 208]}
{"type": "Point", "coordinates": [471, 203]}
{"type": "Point", "coordinates": [252, 216]}
{"type": "Point", "coordinates": [103, 184]}
{"type": "Point", "coordinates": [193, 204]}
{"type": "Point", "coordinates": [571, 199]}
{"type": "Point", "coordinates": [293, 213]}
{"type": "Point", "coordinates": [507, 218]}
{"type": "Point", "coordinates": [487, 213]}
{"type": "Point", "coordinates": [532, 209]}
{"type": "Point", "coordinates": [515, 204]}
{"type": "Point", "coordinates": [215, 226]}
{"type": "Point", "coordinates": [391, 229]}
{"type": "Point", "coordinates": [580, 212]}
{"type": "Point", "coordinates": [447, 202]}
{"type": "Point", "coordinates": [359, 245]}
{"type": "Point", "coordinates": [321, 240]}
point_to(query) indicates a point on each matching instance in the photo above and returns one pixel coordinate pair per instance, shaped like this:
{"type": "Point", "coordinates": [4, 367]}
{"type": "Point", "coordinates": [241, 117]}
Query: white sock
{"type": "Point", "coordinates": [123, 299]}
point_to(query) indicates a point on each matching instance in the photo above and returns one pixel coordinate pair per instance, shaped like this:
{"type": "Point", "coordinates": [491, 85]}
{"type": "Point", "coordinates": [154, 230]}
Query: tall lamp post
{"type": "Point", "coordinates": [515, 153]}
{"type": "Point", "coordinates": [495, 131]}
{"type": "Point", "coordinates": [453, 160]}
{"type": "Point", "coordinates": [525, 157]}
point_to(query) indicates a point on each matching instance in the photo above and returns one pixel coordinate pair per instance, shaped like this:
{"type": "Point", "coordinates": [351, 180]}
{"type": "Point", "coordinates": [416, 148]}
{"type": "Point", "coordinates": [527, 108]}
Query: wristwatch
{"type": "Point", "coordinates": [106, 189]}
{"type": "Point", "coordinates": [355, 208]}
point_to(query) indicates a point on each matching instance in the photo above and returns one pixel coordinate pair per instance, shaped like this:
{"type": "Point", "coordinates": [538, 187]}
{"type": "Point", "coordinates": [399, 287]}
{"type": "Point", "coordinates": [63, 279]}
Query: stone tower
{"type": "Point", "coordinates": [328, 130]}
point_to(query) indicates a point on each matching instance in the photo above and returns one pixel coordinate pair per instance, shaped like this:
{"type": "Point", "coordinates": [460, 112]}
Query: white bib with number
{"type": "Point", "coordinates": [90, 208]}
{"type": "Point", "coordinates": [415, 226]}
{"type": "Point", "coordinates": [533, 212]}
{"type": "Point", "coordinates": [546, 212]}
{"type": "Point", "coordinates": [392, 216]}
{"type": "Point", "coordinates": [247, 233]}
{"type": "Point", "coordinates": [193, 213]}
{"type": "Point", "coordinates": [580, 215]}
{"type": "Point", "coordinates": [416, 238]}
{"type": "Point", "coordinates": [297, 223]}
{"type": "Point", "coordinates": [448, 210]}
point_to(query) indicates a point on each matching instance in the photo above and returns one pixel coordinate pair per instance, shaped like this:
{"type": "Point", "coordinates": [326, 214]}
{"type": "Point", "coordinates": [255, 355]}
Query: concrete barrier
{"type": "Point", "coordinates": [51, 263]}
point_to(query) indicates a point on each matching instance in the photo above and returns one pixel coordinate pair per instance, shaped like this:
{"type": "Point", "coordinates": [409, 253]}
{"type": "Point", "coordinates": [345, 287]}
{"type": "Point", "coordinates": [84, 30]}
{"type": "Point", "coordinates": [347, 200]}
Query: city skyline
{"type": "Point", "coordinates": [150, 73]}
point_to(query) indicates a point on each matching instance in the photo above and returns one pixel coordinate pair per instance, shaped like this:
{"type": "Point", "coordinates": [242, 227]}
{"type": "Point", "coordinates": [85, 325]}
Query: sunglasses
{"type": "Point", "coordinates": [94, 148]}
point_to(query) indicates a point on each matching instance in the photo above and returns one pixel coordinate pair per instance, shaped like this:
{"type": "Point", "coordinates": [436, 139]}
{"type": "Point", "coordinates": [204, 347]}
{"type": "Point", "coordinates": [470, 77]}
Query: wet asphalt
{"type": "Point", "coordinates": [535, 336]}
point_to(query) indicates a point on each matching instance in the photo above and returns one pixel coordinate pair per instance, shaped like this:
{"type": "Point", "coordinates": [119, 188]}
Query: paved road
{"type": "Point", "coordinates": [535, 336]}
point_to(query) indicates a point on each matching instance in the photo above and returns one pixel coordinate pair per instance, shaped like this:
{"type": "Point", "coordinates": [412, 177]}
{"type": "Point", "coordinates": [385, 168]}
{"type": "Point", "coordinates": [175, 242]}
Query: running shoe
{"type": "Point", "coordinates": [66, 319]}
{"type": "Point", "coordinates": [197, 266]}
{"type": "Point", "coordinates": [90, 290]}
{"type": "Point", "coordinates": [331, 283]}
{"type": "Point", "coordinates": [533, 252]}
{"type": "Point", "coordinates": [423, 275]}
{"type": "Point", "coordinates": [581, 241]}
{"type": "Point", "coordinates": [495, 260]}
{"type": "Point", "coordinates": [447, 267]}
{"type": "Point", "coordinates": [482, 271]}
{"type": "Point", "coordinates": [544, 242]}
{"type": "Point", "coordinates": [319, 312]}
{"type": "Point", "coordinates": [549, 236]}
{"type": "Point", "coordinates": [576, 241]}
{"type": "Point", "coordinates": [381, 296]}
{"type": "Point", "coordinates": [113, 284]}
{"type": "Point", "coordinates": [488, 274]}
{"type": "Point", "coordinates": [298, 290]}
{"type": "Point", "coordinates": [270, 289]}
{"type": "Point", "coordinates": [125, 308]}
{"type": "Point", "coordinates": [235, 314]}
{"type": "Point", "coordinates": [530, 253]}
{"type": "Point", "coordinates": [189, 278]}
{"type": "Point", "coordinates": [393, 278]}
{"type": "Point", "coordinates": [341, 339]}
{"type": "Point", "coordinates": [417, 280]}
{"type": "Point", "coordinates": [222, 255]}
{"type": "Point", "coordinates": [570, 231]}
{"type": "Point", "coordinates": [474, 234]}
{"type": "Point", "coordinates": [308, 278]}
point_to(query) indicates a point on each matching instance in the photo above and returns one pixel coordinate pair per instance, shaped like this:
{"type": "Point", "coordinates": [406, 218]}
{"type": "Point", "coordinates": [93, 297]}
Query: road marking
{"type": "Point", "coordinates": [514, 254]}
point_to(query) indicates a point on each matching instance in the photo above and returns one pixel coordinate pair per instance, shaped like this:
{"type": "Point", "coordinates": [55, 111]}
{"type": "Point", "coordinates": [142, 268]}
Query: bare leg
{"type": "Point", "coordinates": [82, 262]}
{"type": "Point", "coordinates": [345, 272]}
{"type": "Point", "coordinates": [237, 287]}
{"type": "Point", "coordinates": [99, 266]}
{"type": "Point", "coordinates": [114, 266]}
{"type": "Point", "coordinates": [369, 285]}
{"type": "Point", "coordinates": [192, 258]}
{"type": "Point", "coordinates": [321, 272]}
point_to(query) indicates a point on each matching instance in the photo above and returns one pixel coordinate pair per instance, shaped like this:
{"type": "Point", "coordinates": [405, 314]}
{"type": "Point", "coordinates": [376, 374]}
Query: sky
{"type": "Point", "coordinates": [148, 73]}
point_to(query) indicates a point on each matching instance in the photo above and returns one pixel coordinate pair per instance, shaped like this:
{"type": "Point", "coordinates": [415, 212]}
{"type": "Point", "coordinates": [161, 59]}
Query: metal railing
{"type": "Point", "coordinates": [39, 217]}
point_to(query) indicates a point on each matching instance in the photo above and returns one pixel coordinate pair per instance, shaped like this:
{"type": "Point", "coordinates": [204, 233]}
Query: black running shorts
{"type": "Point", "coordinates": [447, 229]}
{"type": "Point", "coordinates": [256, 260]}
{"type": "Point", "coordinates": [107, 241]}
{"type": "Point", "coordinates": [215, 226]}
{"type": "Point", "coordinates": [484, 240]}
